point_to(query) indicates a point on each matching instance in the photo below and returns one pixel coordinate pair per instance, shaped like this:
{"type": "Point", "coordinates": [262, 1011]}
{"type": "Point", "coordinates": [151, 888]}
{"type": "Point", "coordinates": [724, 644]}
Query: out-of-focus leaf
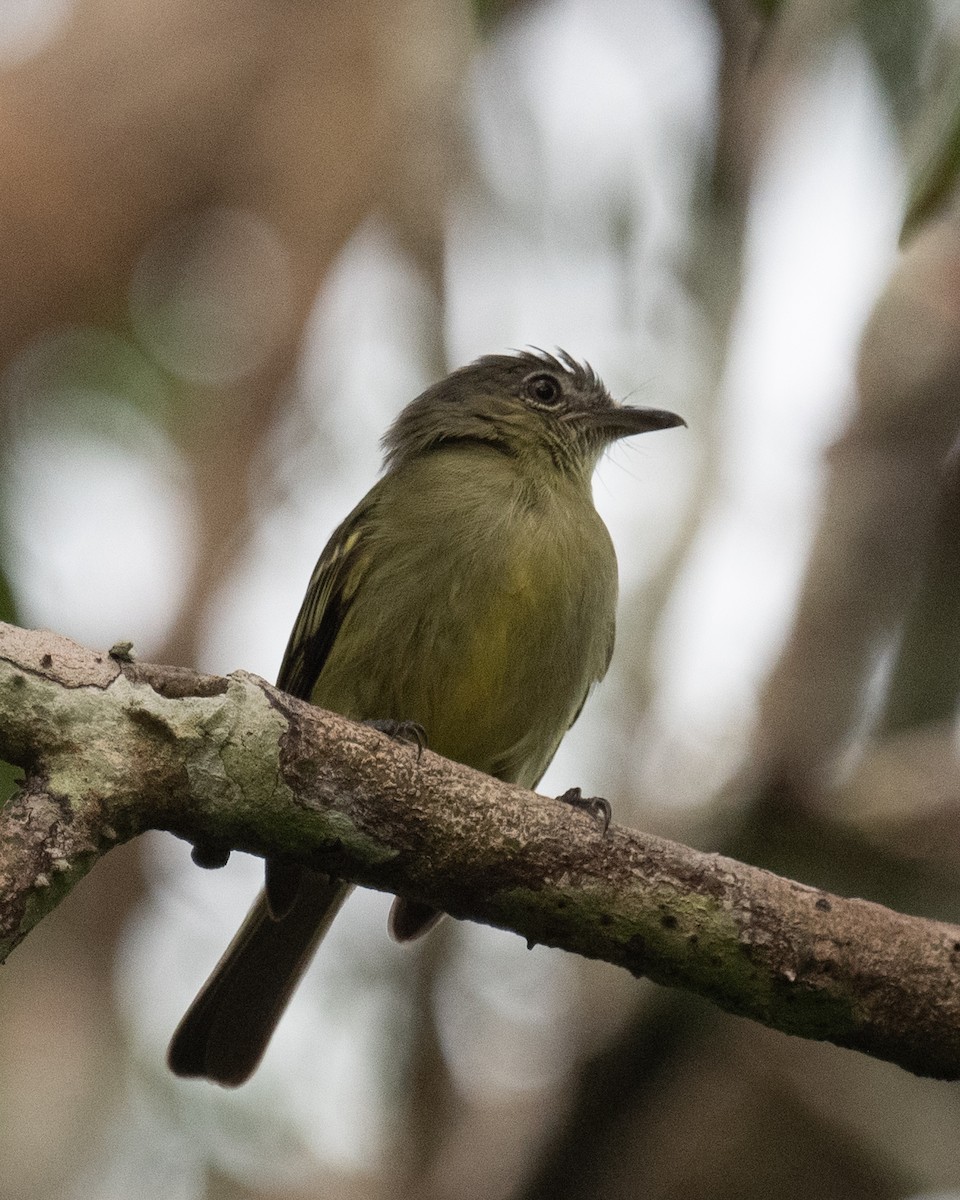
{"type": "Point", "coordinates": [937, 157]}
{"type": "Point", "coordinates": [488, 13]}
{"type": "Point", "coordinates": [896, 35]}
{"type": "Point", "coordinates": [925, 681]}
{"type": "Point", "coordinates": [7, 609]}
{"type": "Point", "coordinates": [85, 375]}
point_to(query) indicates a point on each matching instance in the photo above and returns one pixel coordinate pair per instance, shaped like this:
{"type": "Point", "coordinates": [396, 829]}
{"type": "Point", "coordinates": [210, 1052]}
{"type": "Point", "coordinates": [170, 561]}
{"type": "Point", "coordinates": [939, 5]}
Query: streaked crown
{"type": "Point", "coordinates": [531, 405]}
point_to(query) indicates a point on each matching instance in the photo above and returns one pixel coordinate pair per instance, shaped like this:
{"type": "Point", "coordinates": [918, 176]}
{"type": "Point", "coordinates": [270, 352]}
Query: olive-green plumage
{"type": "Point", "coordinates": [471, 591]}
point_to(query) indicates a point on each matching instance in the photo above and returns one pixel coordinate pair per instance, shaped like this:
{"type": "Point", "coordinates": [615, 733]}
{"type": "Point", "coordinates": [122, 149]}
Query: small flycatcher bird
{"type": "Point", "coordinates": [470, 593]}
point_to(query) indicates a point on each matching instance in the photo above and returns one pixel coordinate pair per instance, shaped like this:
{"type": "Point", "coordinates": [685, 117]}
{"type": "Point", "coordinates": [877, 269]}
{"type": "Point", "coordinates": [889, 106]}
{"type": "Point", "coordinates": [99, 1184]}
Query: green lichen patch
{"type": "Point", "coordinates": [674, 939]}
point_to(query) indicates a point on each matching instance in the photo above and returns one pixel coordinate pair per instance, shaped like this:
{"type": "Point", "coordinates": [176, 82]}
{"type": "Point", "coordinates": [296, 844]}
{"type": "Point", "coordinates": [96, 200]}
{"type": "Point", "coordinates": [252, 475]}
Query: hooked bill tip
{"type": "Point", "coordinates": [625, 420]}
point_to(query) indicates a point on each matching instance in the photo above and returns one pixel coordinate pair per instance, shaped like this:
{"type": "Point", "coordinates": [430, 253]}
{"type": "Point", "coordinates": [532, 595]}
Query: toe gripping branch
{"type": "Point", "coordinates": [403, 731]}
{"type": "Point", "coordinates": [595, 806]}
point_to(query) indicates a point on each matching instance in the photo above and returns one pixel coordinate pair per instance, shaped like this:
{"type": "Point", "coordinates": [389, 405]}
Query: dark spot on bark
{"type": "Point", "coordinates": [47, 661]}
{"type": "Point", "coordinates": [210, 856]}
{"type": "Point", "coordinates": [668, 921]}
{"type": "Point", "coordinates": [824, 904]}
{"type": "Point", "coordinates": [150, 722]}
{"type": "Point", "coordinates": [637, 946]}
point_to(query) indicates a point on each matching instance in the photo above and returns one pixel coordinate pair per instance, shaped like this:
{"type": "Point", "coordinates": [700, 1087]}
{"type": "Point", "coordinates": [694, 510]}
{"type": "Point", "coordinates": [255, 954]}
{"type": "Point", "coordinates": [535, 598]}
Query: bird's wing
{"type": "Point", "coordinates": [332, 588]}
{"type": "Point", "coordinates": [525, 764]}
{"type": "Point", "coordinates": [595, 677]}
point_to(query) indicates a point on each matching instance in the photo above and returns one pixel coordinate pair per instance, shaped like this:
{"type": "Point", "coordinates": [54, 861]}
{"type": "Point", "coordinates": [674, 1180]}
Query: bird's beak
{"type": "Point", "coordinates": [623, 420]}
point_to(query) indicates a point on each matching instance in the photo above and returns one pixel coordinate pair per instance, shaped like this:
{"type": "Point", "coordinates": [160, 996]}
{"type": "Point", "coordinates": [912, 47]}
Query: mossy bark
{"type": "Point", "coordinates": [111, 748]}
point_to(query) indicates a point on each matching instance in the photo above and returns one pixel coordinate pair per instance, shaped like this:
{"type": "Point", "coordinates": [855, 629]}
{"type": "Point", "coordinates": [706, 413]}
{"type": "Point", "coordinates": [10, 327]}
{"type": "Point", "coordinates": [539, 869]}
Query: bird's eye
{"type": "Point", "coordinates": [544, 389]}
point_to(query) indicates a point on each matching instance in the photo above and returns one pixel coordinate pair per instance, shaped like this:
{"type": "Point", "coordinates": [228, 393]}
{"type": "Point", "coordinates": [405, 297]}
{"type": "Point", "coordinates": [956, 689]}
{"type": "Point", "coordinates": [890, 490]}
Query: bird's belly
{"type": "Point", "coordinates": [494, 664]}
{"type": "Point", "coordinates": [506, 703]}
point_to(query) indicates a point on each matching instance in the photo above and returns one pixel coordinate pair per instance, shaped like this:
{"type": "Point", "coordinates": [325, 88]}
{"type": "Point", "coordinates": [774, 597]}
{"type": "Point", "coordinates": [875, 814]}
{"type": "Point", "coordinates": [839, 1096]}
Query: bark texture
{"type": "Point", "coordinates": [111, 748]}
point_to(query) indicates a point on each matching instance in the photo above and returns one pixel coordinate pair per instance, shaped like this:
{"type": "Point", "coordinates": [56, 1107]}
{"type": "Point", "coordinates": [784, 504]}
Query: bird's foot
{"type": "Point", "coordinates": [403, 731]}
{"type": "Point", "coordinates": [596, 806]}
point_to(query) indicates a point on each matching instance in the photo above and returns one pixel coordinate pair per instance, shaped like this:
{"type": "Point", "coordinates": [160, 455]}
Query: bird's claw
{"type": "Point", "coordinates": [403, 731]}
{"type": "Point", "coordinates": [596, 806]}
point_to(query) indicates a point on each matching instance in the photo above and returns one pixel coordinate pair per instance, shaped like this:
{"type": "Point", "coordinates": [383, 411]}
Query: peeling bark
{"type": "Point", "coordinates": [111, 748]}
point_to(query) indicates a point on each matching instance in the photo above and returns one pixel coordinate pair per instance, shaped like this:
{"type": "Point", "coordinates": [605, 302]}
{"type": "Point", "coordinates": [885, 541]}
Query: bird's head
{"type": "Point", "coordinates": [535, 407]}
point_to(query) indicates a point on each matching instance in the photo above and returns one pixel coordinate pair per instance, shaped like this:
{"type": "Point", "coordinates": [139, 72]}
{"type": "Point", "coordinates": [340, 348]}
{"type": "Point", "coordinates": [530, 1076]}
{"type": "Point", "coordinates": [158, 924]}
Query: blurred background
{"type": "Point", "coordinates": [234, 241]}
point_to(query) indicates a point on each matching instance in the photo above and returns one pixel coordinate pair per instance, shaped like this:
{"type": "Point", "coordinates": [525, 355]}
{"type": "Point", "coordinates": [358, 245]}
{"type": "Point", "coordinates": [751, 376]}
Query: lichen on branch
{"type": "Point", "coordinates": [111, 748]}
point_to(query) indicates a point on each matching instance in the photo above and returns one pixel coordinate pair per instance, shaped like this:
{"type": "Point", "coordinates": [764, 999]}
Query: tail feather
{"type": "Point", "coordinates": [410, 919]}
{"type": "Point", "coordinates": [226, 1030]}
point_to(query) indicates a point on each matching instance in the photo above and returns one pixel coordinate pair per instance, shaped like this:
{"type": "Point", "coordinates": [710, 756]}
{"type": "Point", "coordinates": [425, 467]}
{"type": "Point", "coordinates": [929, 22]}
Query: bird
{"type": "Point", "coordinates": [468, 600]}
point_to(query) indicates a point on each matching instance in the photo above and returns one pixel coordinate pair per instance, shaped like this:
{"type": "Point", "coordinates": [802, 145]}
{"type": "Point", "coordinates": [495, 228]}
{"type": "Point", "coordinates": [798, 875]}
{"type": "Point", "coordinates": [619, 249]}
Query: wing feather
{"type": "Point", "coordinates": [331, 590]}
{"type": "Point", "coordinates": [332, 586]}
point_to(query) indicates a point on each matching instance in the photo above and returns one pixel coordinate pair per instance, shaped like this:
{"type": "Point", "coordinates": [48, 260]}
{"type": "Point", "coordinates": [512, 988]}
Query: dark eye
{"type": "Point", "coordinates": [544, 389]}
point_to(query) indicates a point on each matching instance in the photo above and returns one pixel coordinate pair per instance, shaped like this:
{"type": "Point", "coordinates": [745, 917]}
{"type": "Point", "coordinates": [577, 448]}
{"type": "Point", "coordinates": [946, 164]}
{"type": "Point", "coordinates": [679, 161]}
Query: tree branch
{"type": "Point", "coordinates": [111, 748]}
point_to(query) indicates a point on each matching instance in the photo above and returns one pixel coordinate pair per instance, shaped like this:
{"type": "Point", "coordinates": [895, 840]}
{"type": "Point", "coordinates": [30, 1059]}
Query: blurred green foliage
{"type": "Point", "coordinates": [896, 36]}
{"type": "Point", "coordinates": [7, 610]}
{"type": "Point", "coordinates": [937, 156]}
{"type": "Point", "coordinates": [90, 376]}
{"type": "Point", "coordinates": [488, 13]}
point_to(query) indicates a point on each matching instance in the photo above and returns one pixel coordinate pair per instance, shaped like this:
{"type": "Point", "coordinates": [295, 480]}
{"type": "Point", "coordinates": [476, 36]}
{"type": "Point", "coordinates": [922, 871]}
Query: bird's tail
{"type": "Point", "coordinates": [225, 1031]}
